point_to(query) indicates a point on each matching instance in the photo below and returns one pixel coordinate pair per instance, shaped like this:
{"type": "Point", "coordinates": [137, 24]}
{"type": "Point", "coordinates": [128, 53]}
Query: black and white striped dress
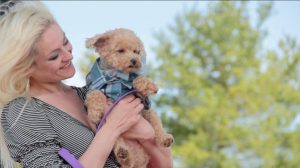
{"type": "Point", "coordinates": [35, 131]}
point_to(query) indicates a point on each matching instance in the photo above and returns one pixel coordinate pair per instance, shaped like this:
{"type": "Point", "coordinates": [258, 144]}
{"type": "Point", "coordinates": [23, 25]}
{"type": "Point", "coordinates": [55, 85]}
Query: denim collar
{"type": "Point", "coordinates": [108, 74]}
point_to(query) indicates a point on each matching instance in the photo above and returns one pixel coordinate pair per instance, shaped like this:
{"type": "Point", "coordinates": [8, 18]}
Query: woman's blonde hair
{"type": "Point", "coordinates": [21, 25]}
{"type": "Point", "coordinates": [20, 29]}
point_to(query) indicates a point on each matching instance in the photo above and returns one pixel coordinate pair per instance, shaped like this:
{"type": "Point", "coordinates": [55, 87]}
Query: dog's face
{"type": "Point", "coordinates": [119, 48]}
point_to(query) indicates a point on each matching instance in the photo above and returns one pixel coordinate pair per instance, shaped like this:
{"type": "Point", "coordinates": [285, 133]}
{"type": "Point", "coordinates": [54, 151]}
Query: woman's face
{"type": "Point", "coordinates": [53, 61]}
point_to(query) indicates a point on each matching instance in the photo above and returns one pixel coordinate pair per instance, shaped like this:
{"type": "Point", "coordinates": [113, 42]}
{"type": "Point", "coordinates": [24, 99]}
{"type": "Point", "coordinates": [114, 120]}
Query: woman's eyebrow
{"type": "Point", "coordinates": [55, 50]}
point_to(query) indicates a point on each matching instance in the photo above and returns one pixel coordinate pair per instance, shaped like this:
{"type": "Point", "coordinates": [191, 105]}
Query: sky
{"type": "Point", "coordinates": [84, 19]}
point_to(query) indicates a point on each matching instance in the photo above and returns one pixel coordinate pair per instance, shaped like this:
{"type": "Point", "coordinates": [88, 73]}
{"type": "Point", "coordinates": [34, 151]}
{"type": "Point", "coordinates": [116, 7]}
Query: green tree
{"type": "Point", "coordinates": [227, 100]}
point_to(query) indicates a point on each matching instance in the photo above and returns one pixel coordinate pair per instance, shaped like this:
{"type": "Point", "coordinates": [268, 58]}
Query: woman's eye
{"type": "Point", "coordinates": [54, 57]}
{"type": "Point", "coordinates": [121, 50]}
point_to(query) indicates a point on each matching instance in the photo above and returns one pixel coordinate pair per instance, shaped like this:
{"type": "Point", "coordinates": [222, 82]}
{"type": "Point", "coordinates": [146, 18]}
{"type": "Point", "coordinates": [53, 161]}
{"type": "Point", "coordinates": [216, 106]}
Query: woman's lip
{"type": "Point", "coordinates": [66, 65]}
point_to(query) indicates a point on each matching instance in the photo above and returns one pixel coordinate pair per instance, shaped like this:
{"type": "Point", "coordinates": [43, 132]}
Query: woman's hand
{"type": "Point", "coordinates": [125, 114]}
{"type": "Point", "coordinates": [141, 131]}
{"type": "Point", "coordinates": [160, 157]}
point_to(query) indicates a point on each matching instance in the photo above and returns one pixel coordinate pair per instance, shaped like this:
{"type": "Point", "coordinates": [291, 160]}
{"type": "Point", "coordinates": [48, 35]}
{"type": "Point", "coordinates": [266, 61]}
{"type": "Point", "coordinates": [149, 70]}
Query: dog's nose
{"type": "Point", "coordinates": [133, 61]}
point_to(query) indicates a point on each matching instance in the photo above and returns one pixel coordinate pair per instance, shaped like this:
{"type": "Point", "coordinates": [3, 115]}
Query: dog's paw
{"type": "Point", "coordinates": [167, 140]}
{"type": "Point", "coordinates": [122, 153]}
{"type": "Point", "coordinates": [152, 88]}
{"type": "Point", "coordinates": [144, 86]}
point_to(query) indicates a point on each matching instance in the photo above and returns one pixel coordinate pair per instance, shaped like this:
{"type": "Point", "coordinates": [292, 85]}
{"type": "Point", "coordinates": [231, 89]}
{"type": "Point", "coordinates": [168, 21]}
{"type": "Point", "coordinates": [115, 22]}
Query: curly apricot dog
{"type": "Point", "coordinates": [115, 72]}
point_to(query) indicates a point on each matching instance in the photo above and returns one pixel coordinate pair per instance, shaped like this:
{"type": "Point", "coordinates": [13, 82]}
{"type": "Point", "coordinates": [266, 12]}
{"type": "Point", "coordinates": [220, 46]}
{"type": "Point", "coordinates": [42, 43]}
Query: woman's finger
{"type": "Point", "coordinates": [128, 98]}
{"type": "Point", "coordinates": [140, 107]}
{"type": "Point", "coordinates": [135, 102]}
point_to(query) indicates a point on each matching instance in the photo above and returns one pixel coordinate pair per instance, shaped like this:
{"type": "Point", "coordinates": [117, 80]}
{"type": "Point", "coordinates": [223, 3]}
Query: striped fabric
{"type": "Point", "coordinates": [35, 131]}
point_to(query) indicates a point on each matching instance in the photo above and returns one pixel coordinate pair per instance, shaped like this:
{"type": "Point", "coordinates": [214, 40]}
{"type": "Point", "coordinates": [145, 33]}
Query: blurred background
{"type": "Point", "coordinates": [228, 73]}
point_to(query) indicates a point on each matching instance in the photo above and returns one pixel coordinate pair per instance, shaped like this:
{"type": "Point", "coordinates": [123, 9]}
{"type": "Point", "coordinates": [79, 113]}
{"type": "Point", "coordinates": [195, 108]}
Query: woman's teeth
{"type": "Point", "coordinates": [68, 64]}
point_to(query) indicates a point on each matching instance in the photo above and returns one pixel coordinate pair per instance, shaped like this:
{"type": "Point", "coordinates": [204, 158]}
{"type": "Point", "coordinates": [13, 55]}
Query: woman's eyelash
{"type": "Point", "coordinates": [53, 57]}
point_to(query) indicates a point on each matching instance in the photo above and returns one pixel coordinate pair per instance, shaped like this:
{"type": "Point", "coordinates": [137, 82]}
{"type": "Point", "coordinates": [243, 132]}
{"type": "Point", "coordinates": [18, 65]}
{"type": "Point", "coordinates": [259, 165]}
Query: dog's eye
{"type": "Point", "coordinates": [121, 50]}
{"type": "Point", "coordinates": [136, 51]}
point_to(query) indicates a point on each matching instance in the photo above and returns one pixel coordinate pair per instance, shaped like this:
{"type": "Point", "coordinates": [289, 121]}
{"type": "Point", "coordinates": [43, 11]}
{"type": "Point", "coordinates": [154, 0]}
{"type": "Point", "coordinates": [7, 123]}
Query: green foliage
{"type": "Point", "coordinates": [227, 101]}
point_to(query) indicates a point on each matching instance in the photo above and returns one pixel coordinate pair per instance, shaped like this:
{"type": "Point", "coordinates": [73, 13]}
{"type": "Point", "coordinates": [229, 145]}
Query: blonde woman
{"type": "Point", "coordinates": [39, 113]}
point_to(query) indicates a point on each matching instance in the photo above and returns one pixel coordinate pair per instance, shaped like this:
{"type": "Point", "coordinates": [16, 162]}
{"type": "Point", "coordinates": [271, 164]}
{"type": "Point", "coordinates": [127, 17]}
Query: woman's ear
{"type": "Point", "coordinates": [30, 71]}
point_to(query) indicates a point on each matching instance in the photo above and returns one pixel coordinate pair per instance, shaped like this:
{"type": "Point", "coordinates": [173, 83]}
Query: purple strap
{"type": "Point", "coordinates": [68, 157]}
{"type": "Point", "coordinates": [64, 153]}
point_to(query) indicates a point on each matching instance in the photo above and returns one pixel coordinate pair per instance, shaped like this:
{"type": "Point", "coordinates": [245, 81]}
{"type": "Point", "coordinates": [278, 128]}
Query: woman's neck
{"type": "Point", "coordinates": [42, 89]}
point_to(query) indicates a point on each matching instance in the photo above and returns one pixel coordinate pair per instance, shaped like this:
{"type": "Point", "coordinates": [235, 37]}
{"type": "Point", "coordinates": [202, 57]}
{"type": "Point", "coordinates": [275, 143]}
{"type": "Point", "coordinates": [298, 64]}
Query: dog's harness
{"type": "Point", "coordinates": [112, 82]}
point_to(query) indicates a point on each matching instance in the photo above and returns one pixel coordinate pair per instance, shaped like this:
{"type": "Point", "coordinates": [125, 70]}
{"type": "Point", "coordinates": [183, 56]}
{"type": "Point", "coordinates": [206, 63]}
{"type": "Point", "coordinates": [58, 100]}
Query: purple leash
{"type": "Point", "coordinates": [68, 157]}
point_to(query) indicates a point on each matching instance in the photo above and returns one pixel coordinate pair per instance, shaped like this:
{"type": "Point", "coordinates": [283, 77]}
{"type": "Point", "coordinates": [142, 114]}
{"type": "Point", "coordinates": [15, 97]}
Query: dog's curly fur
{"type": "Point", "coordinates": [122, 49]}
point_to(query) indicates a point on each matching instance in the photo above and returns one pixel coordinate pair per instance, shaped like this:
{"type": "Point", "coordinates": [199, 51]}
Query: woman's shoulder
{"type": "Point", "coordinates": [19, 109]}
{"type": "Point", "coordinates": [20, 102]}
{"type": "Point", "coordinates": [17, 104]}
{"type": "Point", "coordinates": [25, 119]}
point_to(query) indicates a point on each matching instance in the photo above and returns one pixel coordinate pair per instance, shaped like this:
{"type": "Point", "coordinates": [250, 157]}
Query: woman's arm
{"type": "Point", "coordinates": [141, 131]}
{"type": "Point", "coordinates": [97, 153]}
{"type": "Point", "coordinates": [122, 118]}
{"type": "Point", "coordinates": [160, 157]}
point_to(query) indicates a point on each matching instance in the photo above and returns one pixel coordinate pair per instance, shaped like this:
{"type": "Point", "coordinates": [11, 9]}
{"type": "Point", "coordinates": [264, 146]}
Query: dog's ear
{"type": "Point", "coordinates": [142, 48]}
{"type": "Point", "coordinates": [97, 41]}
